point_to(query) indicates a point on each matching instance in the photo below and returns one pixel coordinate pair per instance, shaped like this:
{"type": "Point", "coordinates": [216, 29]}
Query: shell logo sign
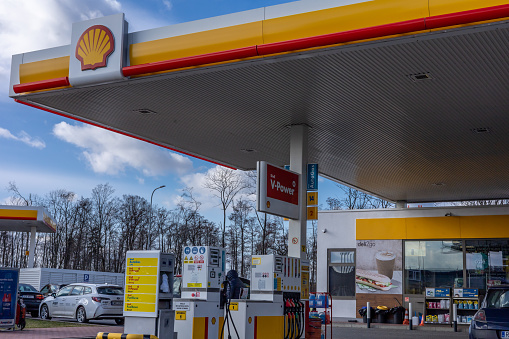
{"type": "Point", "coordinates": [94, 47]}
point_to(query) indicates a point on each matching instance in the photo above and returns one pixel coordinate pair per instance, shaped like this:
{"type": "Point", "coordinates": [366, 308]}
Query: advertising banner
{"type": "Point", "coordinates": [379, 267]}
{"type": "Point", "coordinates": [8, 295]}
{"type": "Point", "coordinates": [277, 191]}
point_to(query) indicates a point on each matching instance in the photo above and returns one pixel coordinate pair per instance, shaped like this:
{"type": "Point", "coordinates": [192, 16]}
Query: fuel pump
{"type": "Point", "coordinates": [197, 312]}
{"type": "Point", "coordinates": [274, 309]}
{"type": "Point", "coordinates": [148, 293]}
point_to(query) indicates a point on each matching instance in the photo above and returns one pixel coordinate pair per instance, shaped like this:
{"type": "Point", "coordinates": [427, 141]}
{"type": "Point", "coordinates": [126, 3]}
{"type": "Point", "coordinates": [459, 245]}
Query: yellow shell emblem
{"type": "Point", "coordinates": [94, 46]}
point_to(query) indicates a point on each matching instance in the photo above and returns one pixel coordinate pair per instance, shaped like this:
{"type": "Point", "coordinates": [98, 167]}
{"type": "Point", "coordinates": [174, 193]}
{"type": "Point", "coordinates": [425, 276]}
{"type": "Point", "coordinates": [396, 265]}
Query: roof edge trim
{"type": "Point", "coordinates": [121, 132]}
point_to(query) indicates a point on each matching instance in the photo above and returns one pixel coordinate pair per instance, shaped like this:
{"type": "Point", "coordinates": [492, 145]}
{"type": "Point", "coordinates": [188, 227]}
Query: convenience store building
{"type": "Point", "coordinates": [434, 247]}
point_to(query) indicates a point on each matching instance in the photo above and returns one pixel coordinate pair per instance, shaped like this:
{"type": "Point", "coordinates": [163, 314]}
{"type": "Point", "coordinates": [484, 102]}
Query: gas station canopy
{"type": "Point", "coordinates": [24, 218]}
{"type": "Point", "coordinates": [406, 100]}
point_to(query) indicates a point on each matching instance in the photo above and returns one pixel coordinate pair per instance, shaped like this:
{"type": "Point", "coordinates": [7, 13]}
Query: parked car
{"type": "Point", "coordinates": [84, 302]}
{"type": "Point", "coordinates": [492, 319]}
{"type": "Point", "coordinates": [49, 289]}
{"type": "Point", "coordinates": [31, 297]}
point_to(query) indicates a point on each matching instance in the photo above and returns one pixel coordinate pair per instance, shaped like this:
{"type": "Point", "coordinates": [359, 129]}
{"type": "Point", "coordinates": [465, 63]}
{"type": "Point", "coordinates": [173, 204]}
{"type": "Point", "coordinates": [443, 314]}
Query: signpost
{"type": "Point", "coordinates": [9, 278]}
{"type": "Point", "coordinates": [277, 191]}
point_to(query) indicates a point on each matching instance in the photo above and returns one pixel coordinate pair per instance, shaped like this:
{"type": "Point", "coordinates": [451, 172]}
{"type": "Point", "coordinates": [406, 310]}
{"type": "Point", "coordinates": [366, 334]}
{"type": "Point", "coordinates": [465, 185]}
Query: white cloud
{"type": "Point", "coordinates": [111, 153]}
{"type": "Point", "coordinates": [204, 195]}
{"type": "Point", "coordinates": [168, 4]}
{"type": "Point", "coordinates": [23, 137]}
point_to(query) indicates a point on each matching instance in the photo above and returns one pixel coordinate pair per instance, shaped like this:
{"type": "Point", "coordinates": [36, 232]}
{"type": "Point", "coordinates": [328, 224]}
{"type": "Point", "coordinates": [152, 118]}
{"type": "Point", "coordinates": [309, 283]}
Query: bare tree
{"type": "Point", "coordinates": [242, 220]}
{"type": "Point", "coordinates": [312, 255]}
{"type": "Point", "coordinates": [226, 184]}
{"type": "Point", "coordinates": [354, 199]}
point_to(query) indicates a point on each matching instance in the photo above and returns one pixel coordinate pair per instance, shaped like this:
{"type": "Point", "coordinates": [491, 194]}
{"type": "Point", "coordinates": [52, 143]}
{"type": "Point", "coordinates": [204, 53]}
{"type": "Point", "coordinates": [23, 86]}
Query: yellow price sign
{"type": "Point", "coordinates": [312, 213]}
{"type": "Point", "coordinates": [141, 280]}
{"type": "Point", "coordinates": [312, 198]}
{"type": "Point", "coordinates": [141, 289]}
{"type": "Point", "coordinates": [180, 315]}
{"type": "Point", "coordinates": [140, 298]}
{"type": "Point", "coordinates": [234, 306]}
{"type": "Point", "coordinates": [142, 262]}
{"type": "Point", "coordinates": [141, 271]}
{"type": "Point", "coordinates": [139, 307]}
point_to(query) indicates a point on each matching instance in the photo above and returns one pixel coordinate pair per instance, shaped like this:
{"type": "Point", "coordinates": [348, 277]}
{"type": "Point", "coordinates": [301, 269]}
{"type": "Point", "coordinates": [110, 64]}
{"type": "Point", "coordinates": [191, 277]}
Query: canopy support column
{"type": "Point", "coordinates": [31, 248]}
{"type": "Point", "coordinates": [298, 163]}
{"type": "Point", "coordinates": [401, 204]}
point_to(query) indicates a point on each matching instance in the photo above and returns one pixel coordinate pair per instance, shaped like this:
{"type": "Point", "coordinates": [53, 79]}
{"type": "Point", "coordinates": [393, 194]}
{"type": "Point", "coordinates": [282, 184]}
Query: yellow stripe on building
{"type": "Point", "coordinates": [44, 70]}
{"type": "Point", "coordinates": [441, 7]}
{"type": "Point", "coordinates": [18, 214]}
{"type": "Point", "coordinates": [453, 227]}
{"type": "Point", "coordinates": [340, 19]}
{"type": "Point", "coordinates": [216, 40]}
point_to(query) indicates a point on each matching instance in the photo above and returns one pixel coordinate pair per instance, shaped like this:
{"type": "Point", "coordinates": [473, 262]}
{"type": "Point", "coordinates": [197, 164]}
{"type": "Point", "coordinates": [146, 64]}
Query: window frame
{"type": "Point", "coordinates": [329, 264]}
{"type": "Point", "coordinates": [77, 287]}
{"type": "Point", "coordinates": [62, 289]}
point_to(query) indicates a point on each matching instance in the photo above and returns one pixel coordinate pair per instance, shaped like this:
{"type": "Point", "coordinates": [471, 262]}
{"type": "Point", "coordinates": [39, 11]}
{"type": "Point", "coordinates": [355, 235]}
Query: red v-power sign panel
{"type": "Point", "coordinates": [277, 191]}
{"type": "Point", "coordinates": [282, 185]}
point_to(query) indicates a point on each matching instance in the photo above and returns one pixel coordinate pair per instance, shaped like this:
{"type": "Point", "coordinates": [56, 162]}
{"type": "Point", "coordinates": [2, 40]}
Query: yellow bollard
{"type": "Point", "coordinates": [103, 335]}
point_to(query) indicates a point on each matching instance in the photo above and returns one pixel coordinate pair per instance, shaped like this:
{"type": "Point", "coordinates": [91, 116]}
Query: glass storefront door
{"type": "Point", "coordinates": [487, 263]}
{"type": "Point", "coordinates": [433, 264]}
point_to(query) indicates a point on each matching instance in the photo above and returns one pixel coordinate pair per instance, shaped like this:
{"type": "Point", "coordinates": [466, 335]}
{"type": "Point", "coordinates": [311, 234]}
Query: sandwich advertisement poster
{"type": "Point", "coordinates": [379, 267]}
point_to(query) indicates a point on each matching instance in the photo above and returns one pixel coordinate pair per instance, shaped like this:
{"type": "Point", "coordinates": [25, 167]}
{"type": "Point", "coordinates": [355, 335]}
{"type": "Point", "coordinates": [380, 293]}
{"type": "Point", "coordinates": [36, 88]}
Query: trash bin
{"type": "Point", "coordinates": [396, 315]}
{"type": "Point", "coordinates": [381, 314]}
{"type": "Point", "coordinates": [363, 313]}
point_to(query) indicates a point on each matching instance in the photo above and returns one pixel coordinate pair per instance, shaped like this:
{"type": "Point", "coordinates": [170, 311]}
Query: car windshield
{"type": "Point", "coordinates": [26, 288]}
{"type": "Point", "coordinates": [110, 290]}
{"type": "Point", "coordinates": [498, 298]}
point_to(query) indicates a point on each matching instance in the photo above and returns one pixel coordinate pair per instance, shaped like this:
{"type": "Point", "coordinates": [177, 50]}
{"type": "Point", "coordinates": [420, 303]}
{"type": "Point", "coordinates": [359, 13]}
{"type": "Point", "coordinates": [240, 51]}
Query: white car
{"type": "Point", "coordinates": [83, 302]}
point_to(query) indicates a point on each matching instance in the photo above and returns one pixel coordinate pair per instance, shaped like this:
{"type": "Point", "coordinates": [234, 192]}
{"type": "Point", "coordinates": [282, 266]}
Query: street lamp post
{"type": "Point", "coordinates": [150, 222]}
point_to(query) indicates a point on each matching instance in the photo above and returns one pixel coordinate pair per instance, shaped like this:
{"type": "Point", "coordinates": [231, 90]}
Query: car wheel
{"type": "Point", "coordinates": [45, 312]}
{"type": "Point", "coordinates": [34, 314]}
{"type": "Point", "coordinates": [81, 315]}
{"type": "Point", "coordinates": [119, 321]}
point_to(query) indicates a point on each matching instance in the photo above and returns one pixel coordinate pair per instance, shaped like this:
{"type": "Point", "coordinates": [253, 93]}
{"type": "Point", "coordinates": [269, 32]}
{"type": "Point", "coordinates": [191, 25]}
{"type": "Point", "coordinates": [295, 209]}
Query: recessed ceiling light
{"type": "Point", "coordinates": [481, 130]}
{"type": "Point", "coordinates": [420, 76]}
{"type": "Point", "coordinates": [144, 111]}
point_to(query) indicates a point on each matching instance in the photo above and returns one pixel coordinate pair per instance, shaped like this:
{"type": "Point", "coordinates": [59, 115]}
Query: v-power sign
{"type": "Point", "coordinates": [277, 191]}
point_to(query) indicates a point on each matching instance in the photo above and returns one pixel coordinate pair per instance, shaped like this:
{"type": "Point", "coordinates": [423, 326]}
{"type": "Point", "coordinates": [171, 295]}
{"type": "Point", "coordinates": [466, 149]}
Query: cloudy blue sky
{"type": "Point", "coordinates": [41, 152]}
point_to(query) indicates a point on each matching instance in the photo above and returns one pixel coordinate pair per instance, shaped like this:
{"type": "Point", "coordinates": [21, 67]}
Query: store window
{"type": "Point", "coordinates": [341, 274]}
{"type": "Point", "coordinates": [487, 263]}
{"type": "Point", "coordinates": [433, 264]}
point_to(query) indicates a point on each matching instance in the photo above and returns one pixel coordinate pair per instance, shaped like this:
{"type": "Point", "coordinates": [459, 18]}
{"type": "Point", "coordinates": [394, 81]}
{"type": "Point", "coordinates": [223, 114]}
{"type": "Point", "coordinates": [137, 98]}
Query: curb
{"type": "Point", "coordinates": [400, 327]}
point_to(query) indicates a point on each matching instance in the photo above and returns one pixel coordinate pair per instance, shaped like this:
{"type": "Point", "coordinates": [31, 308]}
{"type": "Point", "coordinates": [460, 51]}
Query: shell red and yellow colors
{"type": "Point", "coordinates": [94, 46]}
